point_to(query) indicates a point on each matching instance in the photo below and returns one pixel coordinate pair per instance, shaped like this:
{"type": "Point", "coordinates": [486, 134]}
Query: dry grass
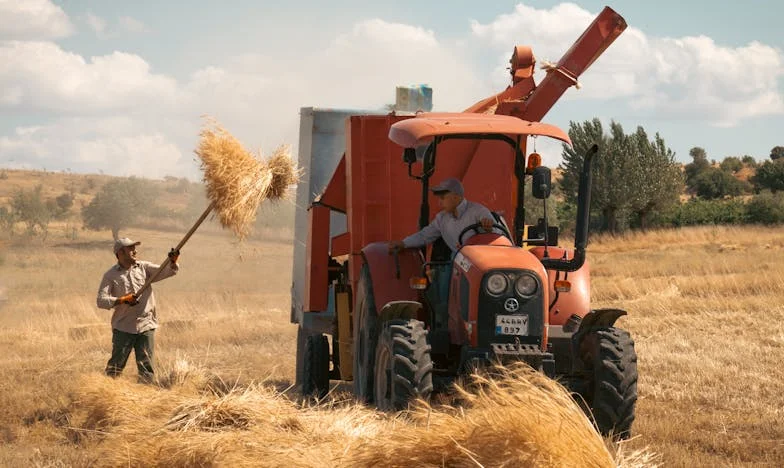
{"type": "Point", "coordinates": [516, 418]}
{"type": "Point", "coordinates": [236, 181]}
{"type": "Point", "coordinates": [704, 307]}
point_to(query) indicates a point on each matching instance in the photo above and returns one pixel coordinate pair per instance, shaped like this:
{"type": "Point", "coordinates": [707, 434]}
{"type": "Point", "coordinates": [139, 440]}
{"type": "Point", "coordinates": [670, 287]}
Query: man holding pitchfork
{"type": "Point", "coordinates": [134, 319]}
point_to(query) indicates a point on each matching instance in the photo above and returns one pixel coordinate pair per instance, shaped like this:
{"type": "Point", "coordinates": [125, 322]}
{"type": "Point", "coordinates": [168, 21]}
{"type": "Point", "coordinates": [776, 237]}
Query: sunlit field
{"type": "Point", "coordinates": [706, 309]}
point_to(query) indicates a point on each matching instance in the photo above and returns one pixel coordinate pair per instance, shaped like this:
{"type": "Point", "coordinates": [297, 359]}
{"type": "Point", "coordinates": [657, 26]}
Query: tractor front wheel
{"type": "Point", "coordinates": [611, 391]}
{"type": "Point", "coordinates": [403, 368]}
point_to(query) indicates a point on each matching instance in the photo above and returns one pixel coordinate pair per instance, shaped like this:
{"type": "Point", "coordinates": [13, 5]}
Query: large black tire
{"type": "Point", "coordinates": [365, 337]}
{"type": "Point", "coordinates": [404, 369]}
{"type": "Point", "coordinates": [611, 391]}
{"type": "Point", "coordinates": [315, 371]}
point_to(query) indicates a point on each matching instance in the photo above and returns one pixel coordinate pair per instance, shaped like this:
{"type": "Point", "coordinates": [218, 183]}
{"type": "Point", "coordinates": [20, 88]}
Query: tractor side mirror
{"type": "Point", "coordinates": [540, 185]}
{"type": "Point", "coordinates": [409, 155]}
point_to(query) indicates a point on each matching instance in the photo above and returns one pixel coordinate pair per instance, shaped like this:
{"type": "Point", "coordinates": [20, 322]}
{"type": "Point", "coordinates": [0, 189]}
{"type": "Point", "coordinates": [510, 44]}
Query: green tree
{"type": "Point", "coordinates": [607, 196]}
{"type": "Point", "coordinates": [118, 204]}
{"type": "Point", "coordinates": [632, 174]}
{"type": "Point", "coordinates": [766, 208]}
{"type": "Point", "coordinates": [714, 183]}
{"type": "Point", "coordinates": [770, 175]}
{"type": "Point", "coordinates": [30, 208]}
{"type": "Point", "coordinates": [656, 177]}
{"type": "Point", "coordinates": [777, 152]}
{"type": "Point", "coordinates": [699, 164]}
{"type": "Point", "coordinates": [731, 164]}
{"type": "Point", "coordinates": [749, 161]}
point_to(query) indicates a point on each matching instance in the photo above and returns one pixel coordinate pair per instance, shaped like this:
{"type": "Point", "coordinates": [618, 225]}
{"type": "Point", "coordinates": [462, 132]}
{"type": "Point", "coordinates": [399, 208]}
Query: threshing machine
{"type": "Point", "coordinates": [402, 322]}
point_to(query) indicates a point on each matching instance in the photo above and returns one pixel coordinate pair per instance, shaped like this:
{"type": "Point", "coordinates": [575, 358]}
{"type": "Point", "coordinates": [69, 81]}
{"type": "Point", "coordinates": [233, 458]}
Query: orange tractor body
{"type": "Point", "coordinates": [403, 323]}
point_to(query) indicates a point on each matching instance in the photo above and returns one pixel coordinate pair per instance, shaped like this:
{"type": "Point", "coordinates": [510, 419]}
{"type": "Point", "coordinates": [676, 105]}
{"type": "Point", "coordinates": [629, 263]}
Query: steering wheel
{"type": "Point", "coordinates": [476, 226]}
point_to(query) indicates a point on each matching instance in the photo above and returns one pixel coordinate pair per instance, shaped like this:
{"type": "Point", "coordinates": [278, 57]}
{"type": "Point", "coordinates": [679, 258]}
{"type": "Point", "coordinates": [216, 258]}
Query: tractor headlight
{"type": "Point", "coordinates": [526, 285]}
{"type": "Point", "coordinates": [496, 284]}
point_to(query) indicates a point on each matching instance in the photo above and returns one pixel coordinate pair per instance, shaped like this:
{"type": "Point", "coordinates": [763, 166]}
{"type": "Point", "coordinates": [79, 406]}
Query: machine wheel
{"type": "Point", "coordinates": [365, 337]}
{"type": "Point", "coordinates": [611, 391]}
{"type": "Point", "coordinates": [315, 366]}
{"type": "Point", "coordinates": [404, 370]}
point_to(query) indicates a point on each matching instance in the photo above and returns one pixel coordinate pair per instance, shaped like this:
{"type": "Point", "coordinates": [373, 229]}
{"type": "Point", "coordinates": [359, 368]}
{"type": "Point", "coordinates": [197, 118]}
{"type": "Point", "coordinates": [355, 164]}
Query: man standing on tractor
{"type": "Point", "coordinates": [134, 319]}
{"type": "Point", "coordinates": [456, 215]}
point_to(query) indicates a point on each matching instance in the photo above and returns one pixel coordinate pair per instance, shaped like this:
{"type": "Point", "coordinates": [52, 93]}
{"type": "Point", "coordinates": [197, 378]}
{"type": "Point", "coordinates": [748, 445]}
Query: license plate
{"type": "Point", "coordinates": [511, 325]}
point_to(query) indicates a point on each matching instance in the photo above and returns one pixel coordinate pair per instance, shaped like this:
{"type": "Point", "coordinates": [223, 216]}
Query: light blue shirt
{"type": "Point", "coordinates": [448, 226]}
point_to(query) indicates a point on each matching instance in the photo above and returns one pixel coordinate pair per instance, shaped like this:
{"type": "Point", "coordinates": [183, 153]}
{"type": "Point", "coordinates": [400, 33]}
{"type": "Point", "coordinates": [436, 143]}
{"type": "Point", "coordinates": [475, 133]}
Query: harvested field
{"type": "Point", "coordinates": [704, 307]}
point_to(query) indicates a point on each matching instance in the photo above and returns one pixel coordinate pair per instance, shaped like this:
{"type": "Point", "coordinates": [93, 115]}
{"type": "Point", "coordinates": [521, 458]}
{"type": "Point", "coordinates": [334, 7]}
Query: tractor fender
{"type": "Point", "coordinates": [600, 318]}
{"type": "Point", "coordinates": [405, 310]}
{"type": "Point", "coordinates": [596, 318]}
{"type": "Point", "coordinates": [391, 281]}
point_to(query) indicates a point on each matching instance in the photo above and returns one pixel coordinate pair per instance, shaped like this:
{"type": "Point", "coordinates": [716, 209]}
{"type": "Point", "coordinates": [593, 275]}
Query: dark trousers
{"type": "Point", "coordinates": [142, 345]}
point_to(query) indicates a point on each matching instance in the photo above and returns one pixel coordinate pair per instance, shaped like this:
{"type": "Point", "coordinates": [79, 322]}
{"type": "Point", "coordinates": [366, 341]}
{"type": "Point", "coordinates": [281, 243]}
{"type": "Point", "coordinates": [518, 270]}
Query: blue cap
{"type": "Point", "coordinates": [449, 185]}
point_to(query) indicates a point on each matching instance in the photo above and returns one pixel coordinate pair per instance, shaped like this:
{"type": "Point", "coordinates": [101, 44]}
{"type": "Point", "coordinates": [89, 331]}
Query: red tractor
{"type": "Point", "coordinates": [405, 323]}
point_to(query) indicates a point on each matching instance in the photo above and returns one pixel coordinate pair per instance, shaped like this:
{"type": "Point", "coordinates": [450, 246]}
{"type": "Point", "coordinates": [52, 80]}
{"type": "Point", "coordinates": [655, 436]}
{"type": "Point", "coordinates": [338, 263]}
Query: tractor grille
{"type": "Point", "coordinates": [491, 306]}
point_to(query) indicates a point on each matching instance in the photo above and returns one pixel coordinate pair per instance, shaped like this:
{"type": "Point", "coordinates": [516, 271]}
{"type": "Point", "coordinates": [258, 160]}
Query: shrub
{"type": "Point", "coordinates": [697, 212]}
{"type": "Point", "coordinates": [731, 164]}
{"type": "Point", "coordinates": [30, 208]}
{"type": "Point", "coordinates": [770, 175]}
{"type": "Point", "coordinates": [766, 208]}
{"type": "Point", "coordinates": [714, 183]}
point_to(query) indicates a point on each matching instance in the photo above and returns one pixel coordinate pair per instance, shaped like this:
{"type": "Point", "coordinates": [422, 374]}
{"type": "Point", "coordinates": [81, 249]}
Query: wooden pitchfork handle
{"type": "Point", "coordinates": [179, 246]}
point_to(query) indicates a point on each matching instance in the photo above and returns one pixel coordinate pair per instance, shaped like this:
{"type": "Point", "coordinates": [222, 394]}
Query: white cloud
{"type": "Point", "coordinates": [114, 113]}
{"type": "Point", "coordinates": [96, 23]}
{"type": "Point", "coordinates": [33, 19]}
{"type": "Point", "coordinates": [691, 77]}
{"type": "Point", "coordinates": [133, 25]}
{"type": "Point", "coordinates": [118, 146]}
{"type": "Point", "coordinates": [64, 82]}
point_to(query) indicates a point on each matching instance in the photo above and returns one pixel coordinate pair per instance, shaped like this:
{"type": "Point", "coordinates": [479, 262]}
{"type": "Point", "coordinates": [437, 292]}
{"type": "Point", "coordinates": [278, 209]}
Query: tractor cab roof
{"type": "Point", "coordinates": [424, 127]}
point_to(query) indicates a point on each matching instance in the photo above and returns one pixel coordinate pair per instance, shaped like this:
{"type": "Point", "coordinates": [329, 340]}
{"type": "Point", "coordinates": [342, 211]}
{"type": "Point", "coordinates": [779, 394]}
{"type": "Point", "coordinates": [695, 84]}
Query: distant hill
{"type": "Point", "coordinates": [178, 200]}
{"type": "Point", "coordinates": [174, 192]}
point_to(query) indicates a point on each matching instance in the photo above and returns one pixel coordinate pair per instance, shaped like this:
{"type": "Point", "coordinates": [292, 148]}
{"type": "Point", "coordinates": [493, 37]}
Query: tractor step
{"type": "Point", "coordinates": [517, 349]}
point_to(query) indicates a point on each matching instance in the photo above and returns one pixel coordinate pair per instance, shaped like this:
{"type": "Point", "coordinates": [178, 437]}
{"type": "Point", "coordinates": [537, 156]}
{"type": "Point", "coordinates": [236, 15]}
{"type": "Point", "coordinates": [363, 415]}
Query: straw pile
{"type": "Point", "coordinates": [236, 181]}
{"type": "Point", "coordinates": [517, 418]}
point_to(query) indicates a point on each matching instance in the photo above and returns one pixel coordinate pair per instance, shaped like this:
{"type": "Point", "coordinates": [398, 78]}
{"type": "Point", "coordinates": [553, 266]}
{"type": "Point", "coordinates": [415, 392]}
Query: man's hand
{"type": "Point", "coordinates": [174, 255]}
{"type": "Point", "coordinates": [396, 246]}
{"type": "Point", "coordinates": [487, 224]}
{"type": "Point", "coordinates": [129, 299]}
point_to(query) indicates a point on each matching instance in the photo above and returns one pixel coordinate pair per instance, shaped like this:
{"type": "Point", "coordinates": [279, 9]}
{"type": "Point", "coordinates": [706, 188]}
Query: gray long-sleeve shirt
{"type": "Point", "coordinates": [118, 281]}
{"type": "Point", "coordinates": [448, 226]}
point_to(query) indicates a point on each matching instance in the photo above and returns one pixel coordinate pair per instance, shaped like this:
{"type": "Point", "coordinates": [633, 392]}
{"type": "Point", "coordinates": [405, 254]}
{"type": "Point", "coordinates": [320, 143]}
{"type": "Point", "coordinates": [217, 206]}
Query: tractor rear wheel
{"type": "Point", "coordinates": [611, 391]}
{"type": "Point", "coordinates": [365, 337]}
{"type": "Point", "coordinates": [315, 366]}
{"type": "Point", "coordinates": [404, 370]}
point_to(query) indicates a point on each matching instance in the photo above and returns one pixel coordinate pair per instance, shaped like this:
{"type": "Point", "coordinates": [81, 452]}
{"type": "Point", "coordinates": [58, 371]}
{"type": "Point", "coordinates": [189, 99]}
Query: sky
{"type": "Point", "coordinates": [121, 87]}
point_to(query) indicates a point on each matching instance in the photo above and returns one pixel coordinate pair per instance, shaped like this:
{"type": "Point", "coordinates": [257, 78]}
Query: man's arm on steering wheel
{"type": "Point", "coordinates": [426, 235]}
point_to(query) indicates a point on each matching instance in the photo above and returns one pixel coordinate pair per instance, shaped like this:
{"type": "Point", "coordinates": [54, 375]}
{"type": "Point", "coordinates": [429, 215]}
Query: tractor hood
{"type": "Point", "coordinates": [479, 259]}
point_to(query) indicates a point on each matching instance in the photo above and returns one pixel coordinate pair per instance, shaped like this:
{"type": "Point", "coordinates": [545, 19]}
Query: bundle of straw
{"type": "Point", "coordinates": [236, 181]}
{"type": "Point", "coordinates": [284, 173]}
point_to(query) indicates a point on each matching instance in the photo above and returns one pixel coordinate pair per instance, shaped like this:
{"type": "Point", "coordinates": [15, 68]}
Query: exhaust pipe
{"type": "Point", "coordinates": [583, 218]}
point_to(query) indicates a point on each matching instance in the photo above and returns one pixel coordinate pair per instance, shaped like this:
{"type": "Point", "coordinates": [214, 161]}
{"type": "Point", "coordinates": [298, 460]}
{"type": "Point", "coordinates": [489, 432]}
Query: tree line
{"type": "Point", "coordinates": [122, 203]}
{"type": "Point", "coordinates": [637, 183]}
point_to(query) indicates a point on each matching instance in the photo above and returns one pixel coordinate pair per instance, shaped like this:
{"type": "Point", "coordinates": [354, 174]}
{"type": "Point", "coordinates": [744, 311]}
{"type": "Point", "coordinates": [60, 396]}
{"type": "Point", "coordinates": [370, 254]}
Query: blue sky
{"type": "Point", "coordinates": [119, 87]}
